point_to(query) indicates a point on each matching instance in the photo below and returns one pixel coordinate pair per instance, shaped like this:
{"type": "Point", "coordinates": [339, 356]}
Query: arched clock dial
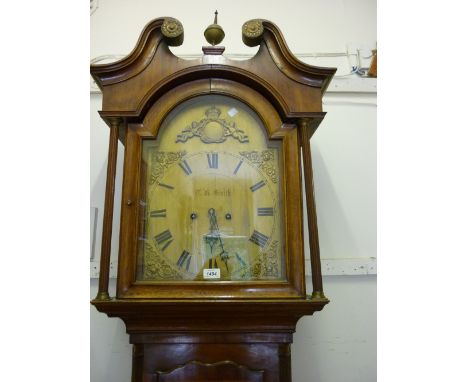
{"type": "Point", "coordinates": [212, 197]}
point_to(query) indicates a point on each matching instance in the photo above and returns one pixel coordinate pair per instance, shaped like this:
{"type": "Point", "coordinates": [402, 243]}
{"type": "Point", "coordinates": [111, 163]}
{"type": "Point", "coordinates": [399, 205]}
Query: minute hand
{"type": "Point", "coordinates": [214, 226]}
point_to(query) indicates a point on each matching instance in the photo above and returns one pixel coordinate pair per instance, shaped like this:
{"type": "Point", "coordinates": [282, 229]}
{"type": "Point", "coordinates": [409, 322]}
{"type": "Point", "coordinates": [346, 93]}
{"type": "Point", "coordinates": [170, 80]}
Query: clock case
{"type": "Point", "coordinates": [138, 92]}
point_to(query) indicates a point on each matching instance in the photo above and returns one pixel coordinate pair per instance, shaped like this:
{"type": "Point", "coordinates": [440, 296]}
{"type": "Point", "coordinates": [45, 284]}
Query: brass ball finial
{"type": "Point", "coordinates": [214, 34]}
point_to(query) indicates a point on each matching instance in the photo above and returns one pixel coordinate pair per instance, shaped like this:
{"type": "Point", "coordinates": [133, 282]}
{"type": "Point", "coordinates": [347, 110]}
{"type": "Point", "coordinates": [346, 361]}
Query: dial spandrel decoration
{"type": "Point", "coordinates": [211, 197]}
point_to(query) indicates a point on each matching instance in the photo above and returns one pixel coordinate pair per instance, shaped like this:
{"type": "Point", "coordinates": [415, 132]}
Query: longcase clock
{"type": "Point", "coordinates": [211, 273]}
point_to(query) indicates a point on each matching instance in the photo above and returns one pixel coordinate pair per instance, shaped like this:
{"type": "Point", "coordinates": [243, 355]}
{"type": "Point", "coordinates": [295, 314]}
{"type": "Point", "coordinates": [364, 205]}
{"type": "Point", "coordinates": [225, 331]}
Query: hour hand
{"type": "Point", "coordinates": [214, 228]}
{"type": "Point", "coordinates": [213, 237]}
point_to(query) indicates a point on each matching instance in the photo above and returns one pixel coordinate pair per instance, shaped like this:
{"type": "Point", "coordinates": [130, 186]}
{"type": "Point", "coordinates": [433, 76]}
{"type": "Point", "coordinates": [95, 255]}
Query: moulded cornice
{"type": "Point", "coordinates": [140, 56]}
{"type": "Point", "coordinates": [131, 84]}
{"type": "Point", "coordinates": [258, 315]}
{"type": "Point", "coordinates": [283, 57]}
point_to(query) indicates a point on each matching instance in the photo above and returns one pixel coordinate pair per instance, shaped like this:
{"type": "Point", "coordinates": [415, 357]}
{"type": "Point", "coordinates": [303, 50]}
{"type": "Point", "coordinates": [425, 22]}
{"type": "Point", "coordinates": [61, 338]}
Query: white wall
{"type": "Point", "coordinates": [339, 343]}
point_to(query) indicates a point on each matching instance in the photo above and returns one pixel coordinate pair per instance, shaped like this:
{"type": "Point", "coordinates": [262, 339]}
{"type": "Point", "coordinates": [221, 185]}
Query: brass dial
{"type": "Point", "coordinates": [211, 197]}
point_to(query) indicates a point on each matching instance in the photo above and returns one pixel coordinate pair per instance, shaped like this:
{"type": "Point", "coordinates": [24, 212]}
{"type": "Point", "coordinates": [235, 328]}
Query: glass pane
{"type": "Point", "coordinates": [211, 200]}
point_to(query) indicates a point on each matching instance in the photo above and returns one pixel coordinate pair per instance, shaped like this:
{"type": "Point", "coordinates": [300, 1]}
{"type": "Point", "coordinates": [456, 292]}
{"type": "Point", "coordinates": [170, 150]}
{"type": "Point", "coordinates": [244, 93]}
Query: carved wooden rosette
{"type": "Point", "coordinates": [173, 31]}
{"type": "Point", "coordinates": [183, 331]}
{"type": "Point", "coordinates": [252, 32]}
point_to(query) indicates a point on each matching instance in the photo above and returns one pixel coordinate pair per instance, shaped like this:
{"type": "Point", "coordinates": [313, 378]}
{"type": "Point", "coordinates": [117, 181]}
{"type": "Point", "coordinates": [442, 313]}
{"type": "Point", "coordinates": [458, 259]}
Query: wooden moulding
{"type": "Point", "coordinates": [130, 86]}
{"type": "Point", "coordinates": [256, 31]}
{"type": "Point", "coordinates": [151, 316]}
